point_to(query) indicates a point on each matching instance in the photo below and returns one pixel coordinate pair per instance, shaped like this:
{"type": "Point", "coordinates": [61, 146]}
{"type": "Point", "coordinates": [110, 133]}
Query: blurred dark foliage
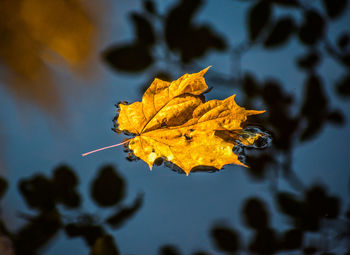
{"type": "Point", "coordinates": [309, 211]}
{"type": "Point", "coordinates": [45, 195]}
{"type": "Point", "coordinates": [184, 37]}
{"type": "Point", "coordinates": [312, 211]}
{"type": "Point", "coordinates": [176, 34]}
{"type": "Point", "coordinates": [3, 186]}
{"type": "Point", "coordinates": [107, 182]}
{"type": "Point", "coordinates": [168, 250]}
{"type": "Point", "coordinates": [225, 239]}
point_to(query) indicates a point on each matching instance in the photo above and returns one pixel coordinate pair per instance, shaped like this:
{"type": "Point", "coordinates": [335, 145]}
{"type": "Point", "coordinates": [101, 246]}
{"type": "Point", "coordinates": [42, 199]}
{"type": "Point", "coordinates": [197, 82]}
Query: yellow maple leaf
{"type": "Point", "coordinates": [174, 122]}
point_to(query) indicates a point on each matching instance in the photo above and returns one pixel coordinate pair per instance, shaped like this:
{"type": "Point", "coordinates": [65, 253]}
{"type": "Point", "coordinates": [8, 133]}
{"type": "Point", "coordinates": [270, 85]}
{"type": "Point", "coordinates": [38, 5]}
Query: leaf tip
{"type": "Point", "coordinates": [242, 164]}
{"type": "Point", "coordinates": [254, 112]}
{"type": "Point", "coordinates": [204, 70]}
{"type": "Point", "coordinates": [186, 170]}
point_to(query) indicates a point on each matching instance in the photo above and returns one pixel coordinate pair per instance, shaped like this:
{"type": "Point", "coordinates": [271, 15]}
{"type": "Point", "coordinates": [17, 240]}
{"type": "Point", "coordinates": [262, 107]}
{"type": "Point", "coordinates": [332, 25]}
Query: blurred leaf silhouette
{"type": "Point", "coordinates": [259, 165]}
{"type": "Point", "coordinates": [280, 32]}
{"type": "Point", "coordinates": [334, 8]}
{"type": "Point", "coordinates": [225, 239]}
{"type": "Point", "coordinates": [45, 194]}
{"type": "Point", "coordinates": [186, 38]}
{"type": "Point", "coordinates": [168, 250]}
{"type": "Point", "coordinates": [3, 186]}
{"type": "Point", "coordinates": [36, 36]}
{"type": "Point", "coordinates": [312, 29]}
{"type": "Point", "coordinates": [309, 61]}
{"type": "Point", "coordinates": [258, 18]}
{"type": "Point", "coordinates": [343, 41]}
{"type": "Point", "coordinates": [343, 86]}
{"type": "Point", "coordinates": [135, 56]}
{"type": "Point", "coordinates": [108, 188]}
{"type": "Point", "coordinates": [256, 217]}
{"type": "Point", "coordinates": [37, 233]}
{"type": "Point", "coordinates": [308, 212]}
{"type": "Point", "coordinates": [255, 214]}
{"type": "Point", "coordinates": [316, 112]}
{"type": "Point", "coordinates": [125, 213]}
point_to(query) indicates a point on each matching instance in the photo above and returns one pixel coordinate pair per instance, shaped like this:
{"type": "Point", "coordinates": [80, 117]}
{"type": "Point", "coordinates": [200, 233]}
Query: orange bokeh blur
{"type": "Point", "coordinates": [36, 36]}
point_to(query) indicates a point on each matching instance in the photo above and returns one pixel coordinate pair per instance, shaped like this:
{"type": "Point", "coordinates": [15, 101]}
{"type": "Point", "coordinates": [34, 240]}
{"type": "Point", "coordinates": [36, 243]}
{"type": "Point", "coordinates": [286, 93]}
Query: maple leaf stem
{"type": "Point", "coordinates": [104, 148]}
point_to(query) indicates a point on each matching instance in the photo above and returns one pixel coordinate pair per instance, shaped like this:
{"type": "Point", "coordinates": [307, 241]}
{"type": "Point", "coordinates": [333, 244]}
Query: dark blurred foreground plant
{"type": "Point", "coordinates": [57, 207]}
{"type": "Point", "coordinates": [315, 221]}
{"type": "Point", "coordinates": [316, 224]}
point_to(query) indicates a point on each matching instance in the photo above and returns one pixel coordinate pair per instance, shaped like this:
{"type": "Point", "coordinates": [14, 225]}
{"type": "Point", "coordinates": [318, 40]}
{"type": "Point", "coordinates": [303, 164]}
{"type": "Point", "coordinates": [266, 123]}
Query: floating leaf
{"type": "Point", "coordinates": [174, 122]}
